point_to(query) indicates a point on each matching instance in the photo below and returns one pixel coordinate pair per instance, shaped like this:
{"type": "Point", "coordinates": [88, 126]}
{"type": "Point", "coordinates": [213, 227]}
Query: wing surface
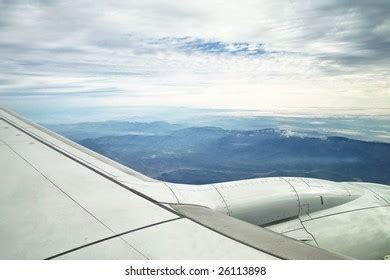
{"type": "Point", "coordinates": [59, 200]}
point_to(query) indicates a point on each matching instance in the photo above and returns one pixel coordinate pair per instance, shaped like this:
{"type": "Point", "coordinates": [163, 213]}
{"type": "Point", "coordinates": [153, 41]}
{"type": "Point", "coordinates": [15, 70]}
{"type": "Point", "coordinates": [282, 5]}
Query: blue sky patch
{"type": "Point", "coordinates": [191, 44]}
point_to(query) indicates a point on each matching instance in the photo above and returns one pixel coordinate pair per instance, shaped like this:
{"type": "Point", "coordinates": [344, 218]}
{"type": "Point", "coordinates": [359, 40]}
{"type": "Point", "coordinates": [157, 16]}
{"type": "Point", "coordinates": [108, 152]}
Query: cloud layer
{"type": "Point", "coordinates": [246, 54]}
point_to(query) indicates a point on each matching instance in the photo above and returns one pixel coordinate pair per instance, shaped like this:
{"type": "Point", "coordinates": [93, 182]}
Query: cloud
{"type": "Point", "coordinates": [252, 54]}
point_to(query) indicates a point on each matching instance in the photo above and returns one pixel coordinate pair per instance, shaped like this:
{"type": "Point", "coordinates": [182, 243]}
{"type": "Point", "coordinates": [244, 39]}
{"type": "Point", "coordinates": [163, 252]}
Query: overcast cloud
{"type": "Point", "coordinates": [245, 54]}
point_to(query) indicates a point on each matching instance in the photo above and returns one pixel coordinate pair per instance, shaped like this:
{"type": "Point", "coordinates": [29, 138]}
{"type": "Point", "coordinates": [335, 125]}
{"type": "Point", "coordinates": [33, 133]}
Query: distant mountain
{"type": "Point", "coordinates": [80, 131]}
{"type": "Point", "coordinates": [201, 155]}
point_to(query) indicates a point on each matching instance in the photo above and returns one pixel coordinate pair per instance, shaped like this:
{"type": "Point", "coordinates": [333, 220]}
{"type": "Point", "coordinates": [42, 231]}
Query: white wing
{"type": "Point", "coordinates": [60, 200]}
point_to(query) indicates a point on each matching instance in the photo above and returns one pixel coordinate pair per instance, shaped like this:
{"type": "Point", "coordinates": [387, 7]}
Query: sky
{"type": "Point", "coordinates": [254, 55]}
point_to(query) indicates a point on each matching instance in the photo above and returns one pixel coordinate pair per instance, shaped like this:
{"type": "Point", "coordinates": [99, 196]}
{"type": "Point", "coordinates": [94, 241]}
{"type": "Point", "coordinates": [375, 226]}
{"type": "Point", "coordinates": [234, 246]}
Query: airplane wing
{"type": "Point", "coordinates": [59, 200]}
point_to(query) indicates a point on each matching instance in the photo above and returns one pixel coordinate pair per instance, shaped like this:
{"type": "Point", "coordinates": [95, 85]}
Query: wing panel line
{"type": "Point", "coordinates": [343, 212]}
{"type": "Point", "coordinates": [70, 156]}
{"type": "Point", "coordinates": [111, 237]}
{"type": "Point", "coordinates": [59, 188]}
{"type": "Point", "coordinates": [367, 188]}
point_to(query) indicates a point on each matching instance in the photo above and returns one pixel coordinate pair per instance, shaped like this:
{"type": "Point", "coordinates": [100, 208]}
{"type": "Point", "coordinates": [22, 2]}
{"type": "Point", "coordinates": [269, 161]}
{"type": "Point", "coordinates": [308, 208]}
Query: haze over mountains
{"type": "Point", "coordinates": [197, 155]}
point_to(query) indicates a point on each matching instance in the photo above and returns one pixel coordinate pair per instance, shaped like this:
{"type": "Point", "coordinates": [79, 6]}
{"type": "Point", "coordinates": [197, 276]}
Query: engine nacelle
{"type": "Point", "coordinates": [267, 200]}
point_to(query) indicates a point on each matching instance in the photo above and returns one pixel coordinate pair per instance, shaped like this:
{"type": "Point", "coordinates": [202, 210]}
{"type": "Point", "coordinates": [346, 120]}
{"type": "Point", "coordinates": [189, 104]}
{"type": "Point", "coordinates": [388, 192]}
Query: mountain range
{"type": "Point", "coordinates": [200, 155]}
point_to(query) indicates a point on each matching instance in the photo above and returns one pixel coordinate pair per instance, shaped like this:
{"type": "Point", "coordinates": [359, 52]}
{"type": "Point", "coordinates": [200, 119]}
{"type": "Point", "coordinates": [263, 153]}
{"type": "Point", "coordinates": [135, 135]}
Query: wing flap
{"type": "Point", "coordinates": [269, 242]}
